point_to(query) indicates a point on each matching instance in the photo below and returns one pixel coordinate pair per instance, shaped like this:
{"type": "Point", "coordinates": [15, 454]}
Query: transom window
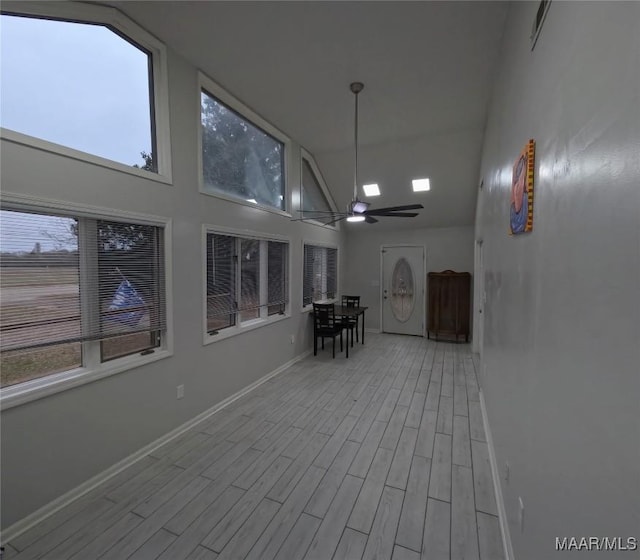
{"type": "Point", "coordinates": [240, 159]}
{"type": "Point", "coordinates": [313, 195]}
{"type": "Point", "coordinates": [320, 274]}
{"type": "Point", "coordinates": [71, 78]}
{"type": "Point", "coordinates": [77, 291]}
{"type": "Point", "coordinates": [246, 280]}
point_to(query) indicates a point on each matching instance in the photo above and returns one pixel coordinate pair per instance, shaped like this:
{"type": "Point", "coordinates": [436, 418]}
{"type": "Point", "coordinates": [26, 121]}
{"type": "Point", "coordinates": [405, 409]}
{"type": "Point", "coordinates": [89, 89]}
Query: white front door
{"type": "Point", "coordinates": [403, 290]}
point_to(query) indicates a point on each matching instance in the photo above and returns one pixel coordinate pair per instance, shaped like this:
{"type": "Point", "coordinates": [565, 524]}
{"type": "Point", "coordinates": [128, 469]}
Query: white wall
{"type": "Point", "coordinates": [561, 355]}
{"type": "Point", "coordinates": [446, 248]}
{"type": "Point", "coordinates": [51, 445]}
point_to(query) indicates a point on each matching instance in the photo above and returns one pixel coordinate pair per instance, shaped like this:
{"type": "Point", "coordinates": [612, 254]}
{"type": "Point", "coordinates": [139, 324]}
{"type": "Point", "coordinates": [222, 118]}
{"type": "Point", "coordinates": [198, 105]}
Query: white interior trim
{"type": "Point", "coordinates": [502, 512]}
{"type": "Point", "coordinates": [306, 155]}
{"type": "Point", "coordinates": [52, 507]}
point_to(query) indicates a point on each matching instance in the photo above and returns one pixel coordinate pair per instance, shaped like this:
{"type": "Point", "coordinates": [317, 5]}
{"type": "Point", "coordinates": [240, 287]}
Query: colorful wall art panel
{"type": "Point", "coordinates": [521, 207]}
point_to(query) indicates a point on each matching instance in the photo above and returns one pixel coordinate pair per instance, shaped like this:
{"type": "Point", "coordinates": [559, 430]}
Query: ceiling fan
{"type": "Point", "coordinates": [358, 210]}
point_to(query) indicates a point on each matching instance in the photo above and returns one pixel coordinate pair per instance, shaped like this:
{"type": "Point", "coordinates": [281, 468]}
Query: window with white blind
{"type": "Point", "coordinates": [77, 291]}
{"type": "Point", "coordinates": [247, 281]}
{"type": "Point", "coordinates": [320, 275]}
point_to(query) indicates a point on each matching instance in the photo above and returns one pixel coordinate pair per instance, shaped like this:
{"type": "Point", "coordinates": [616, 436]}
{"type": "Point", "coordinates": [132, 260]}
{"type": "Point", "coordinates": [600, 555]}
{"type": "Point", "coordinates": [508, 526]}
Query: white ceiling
{"type": "Point", "coordinates": [427, 68]}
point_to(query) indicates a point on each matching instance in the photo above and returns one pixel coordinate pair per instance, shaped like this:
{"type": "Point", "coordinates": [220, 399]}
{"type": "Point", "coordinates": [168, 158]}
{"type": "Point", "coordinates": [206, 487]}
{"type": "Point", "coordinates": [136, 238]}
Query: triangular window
{"type": "Point", "coordinates": [313, 194]}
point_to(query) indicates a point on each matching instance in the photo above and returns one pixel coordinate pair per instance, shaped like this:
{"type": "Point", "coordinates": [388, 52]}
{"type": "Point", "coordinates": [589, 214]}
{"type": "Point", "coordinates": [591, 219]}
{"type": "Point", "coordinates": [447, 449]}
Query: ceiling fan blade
{"type": "Point", "coordinates": [376, 211]}
{"type": "Point", "coordinates": [334, 220]}
{"type": "Point", "coordinates": [398, 214]}
{"type": "Point", "coordinates": [370, 220]}
{"type": "Point", "coordinates": [321, 212]}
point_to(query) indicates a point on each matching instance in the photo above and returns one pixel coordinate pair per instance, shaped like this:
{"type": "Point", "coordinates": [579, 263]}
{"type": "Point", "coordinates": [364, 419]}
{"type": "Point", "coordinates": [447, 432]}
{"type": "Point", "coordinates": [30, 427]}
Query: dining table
{"type": "Point", "coordinates": [349, 311]}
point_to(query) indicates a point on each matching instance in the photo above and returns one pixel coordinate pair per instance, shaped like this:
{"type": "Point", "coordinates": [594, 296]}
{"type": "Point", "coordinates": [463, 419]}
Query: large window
{"type": "Point", "coordinates": [77, 291]}
{"type": "Point", "coordinates": [320, 275]}
{"type": "Point", "coordinates": [246, 280]}
{"type": "Point", "coordinates": [240, 159]}
{"type": "Point", "coordinates": [81, 85]}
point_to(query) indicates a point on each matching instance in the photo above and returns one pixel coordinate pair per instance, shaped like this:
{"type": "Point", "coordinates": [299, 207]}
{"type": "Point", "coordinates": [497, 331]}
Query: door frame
{"type": "Point", "coordinates": [479, 297]}
{"type": "Point", "coordinates": [424, 280]}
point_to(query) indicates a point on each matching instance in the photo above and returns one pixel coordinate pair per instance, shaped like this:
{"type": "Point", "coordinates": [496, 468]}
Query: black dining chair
{"type": "Point", "coordinates": [325, 324]}
{"type": "Point", "coordinates": [350, 323]}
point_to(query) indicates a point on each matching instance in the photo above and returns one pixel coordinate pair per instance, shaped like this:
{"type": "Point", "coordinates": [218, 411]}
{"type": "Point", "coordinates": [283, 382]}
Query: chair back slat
{"type": "Point", "coordinates": [324, 315]}
{"type": "Point", "coordinates": [351, 301]}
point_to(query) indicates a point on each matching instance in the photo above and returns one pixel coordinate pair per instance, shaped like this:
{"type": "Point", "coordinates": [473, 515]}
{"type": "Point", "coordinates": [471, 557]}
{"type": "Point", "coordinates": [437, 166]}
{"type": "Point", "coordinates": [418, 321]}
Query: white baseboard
{"type": "Point", "coordinates": [502, 512]}
{"type": "Point", "coordinates": [52, 507]}
{"type": "Point", "coordinates": [374, 331]}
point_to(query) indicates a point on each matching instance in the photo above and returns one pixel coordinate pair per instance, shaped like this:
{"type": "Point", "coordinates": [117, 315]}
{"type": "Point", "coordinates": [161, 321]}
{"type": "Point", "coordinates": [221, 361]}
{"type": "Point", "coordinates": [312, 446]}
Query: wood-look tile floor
{"type": "Point", "coordinates": [381, 455]}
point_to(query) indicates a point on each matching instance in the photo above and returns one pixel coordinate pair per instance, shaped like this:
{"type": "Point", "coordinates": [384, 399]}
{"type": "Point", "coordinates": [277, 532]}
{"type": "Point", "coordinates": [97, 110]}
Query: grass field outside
{"type": "Point", "coordinates": [50, 298]}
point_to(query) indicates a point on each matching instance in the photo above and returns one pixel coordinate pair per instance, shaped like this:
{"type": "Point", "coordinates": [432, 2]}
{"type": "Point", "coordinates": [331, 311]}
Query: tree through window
{"type": "Point", "coordinates": [238, 158]}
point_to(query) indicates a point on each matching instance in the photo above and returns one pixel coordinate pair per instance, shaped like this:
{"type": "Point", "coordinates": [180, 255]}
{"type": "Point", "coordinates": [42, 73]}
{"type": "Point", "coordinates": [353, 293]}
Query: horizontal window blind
{"type": "Point", "coordinates": [247, 279]}
{"type": "Point", "coordinates": [221, 281]}
{"type": "Point", "coordinates": [277, 275]}
{"type": "Point", "coordinates": [39, 280]}
{"type": "Point", "coordinates": [130, 279]}
{"type": "Point", "coordinates": [319, 274]}
{"type": "Point", "coordinates": [249, 304]}
{"type": "Point", "coordinates": [331, 272]}
{"type": "Point", "coordinates": [74, 279]}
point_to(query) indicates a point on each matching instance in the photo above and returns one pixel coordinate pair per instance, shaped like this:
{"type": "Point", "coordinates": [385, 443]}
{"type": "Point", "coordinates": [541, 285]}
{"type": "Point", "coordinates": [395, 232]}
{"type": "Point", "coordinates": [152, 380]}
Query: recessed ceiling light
{"type": "Point", "coordinates": [421, 185]}
{"type": "Point", "coordinates": [355, 219]}
{"type": "Point", "coordinates": [371, 190]}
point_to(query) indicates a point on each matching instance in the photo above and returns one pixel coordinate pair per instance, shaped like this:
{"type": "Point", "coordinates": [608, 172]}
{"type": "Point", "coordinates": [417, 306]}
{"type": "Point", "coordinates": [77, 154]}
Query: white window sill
{"type": "Point", "coordinates": [247, 326]}
{"type": "Point", "coordinates": [237, 200]}
{"type": "Point", "coordinates": [65, 151]}
{"type": "Point", "coordinates": [309, 308]}
{"type": "Point", "coordinates": [29, 391]}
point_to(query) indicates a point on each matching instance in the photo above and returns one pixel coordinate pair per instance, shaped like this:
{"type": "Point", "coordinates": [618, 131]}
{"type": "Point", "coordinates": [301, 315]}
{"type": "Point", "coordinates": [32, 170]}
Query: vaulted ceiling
{"type": "Point", "coordinates": [427, 67]}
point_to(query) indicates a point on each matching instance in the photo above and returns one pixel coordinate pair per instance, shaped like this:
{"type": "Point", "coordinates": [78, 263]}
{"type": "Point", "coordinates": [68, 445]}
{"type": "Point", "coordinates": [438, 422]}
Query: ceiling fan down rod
{"type": "Point", "coordinates": [356, 88]}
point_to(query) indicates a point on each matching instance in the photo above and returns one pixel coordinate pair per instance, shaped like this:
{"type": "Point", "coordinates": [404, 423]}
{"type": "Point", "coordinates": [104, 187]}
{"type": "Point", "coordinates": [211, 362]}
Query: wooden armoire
{"type": "Point", "coordinates": [449, 304]}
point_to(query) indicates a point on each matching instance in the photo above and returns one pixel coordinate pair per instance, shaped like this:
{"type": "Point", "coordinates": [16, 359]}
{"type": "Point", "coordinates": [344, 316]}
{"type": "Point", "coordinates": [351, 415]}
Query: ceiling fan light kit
{"type": "Point", "coordinates": [358, 211]}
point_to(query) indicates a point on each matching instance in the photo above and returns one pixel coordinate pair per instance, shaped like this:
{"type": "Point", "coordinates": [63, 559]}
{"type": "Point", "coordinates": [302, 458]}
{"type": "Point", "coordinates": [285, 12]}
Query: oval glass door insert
{"type": "Point", "coordinates": [402, 283]}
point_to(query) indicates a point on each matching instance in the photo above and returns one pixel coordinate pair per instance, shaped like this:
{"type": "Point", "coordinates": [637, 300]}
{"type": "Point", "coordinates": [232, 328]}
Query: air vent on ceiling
{"type": "Point", "coordinates": [541, 14]}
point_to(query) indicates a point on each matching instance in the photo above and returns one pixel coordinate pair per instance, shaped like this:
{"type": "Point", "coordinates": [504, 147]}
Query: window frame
{"type": "Point", "coordinates": [264, 319]}
{"type": "Point", "coordinates": [325, 245]}
{"type": "Point", "coordinates": [122, 25]}
{"type": "Point", "coordinates": [220, 94]}
{"type": "Point", "coordinates": [21, 393]}
{"type": "Point", "coordinates": [305, 155]}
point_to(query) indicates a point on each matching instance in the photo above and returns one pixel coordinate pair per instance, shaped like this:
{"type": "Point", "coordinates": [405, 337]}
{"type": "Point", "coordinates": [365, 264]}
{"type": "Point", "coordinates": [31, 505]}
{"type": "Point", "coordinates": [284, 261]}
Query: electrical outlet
{"type": "Point", "coordinates": [180, 391]}
{"type": "Point", "coordinates": [507, 472]}
{"type": "Point", "coordinates": [292, 338]}
{"type": "Point", "coordinates": [521, 514]}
